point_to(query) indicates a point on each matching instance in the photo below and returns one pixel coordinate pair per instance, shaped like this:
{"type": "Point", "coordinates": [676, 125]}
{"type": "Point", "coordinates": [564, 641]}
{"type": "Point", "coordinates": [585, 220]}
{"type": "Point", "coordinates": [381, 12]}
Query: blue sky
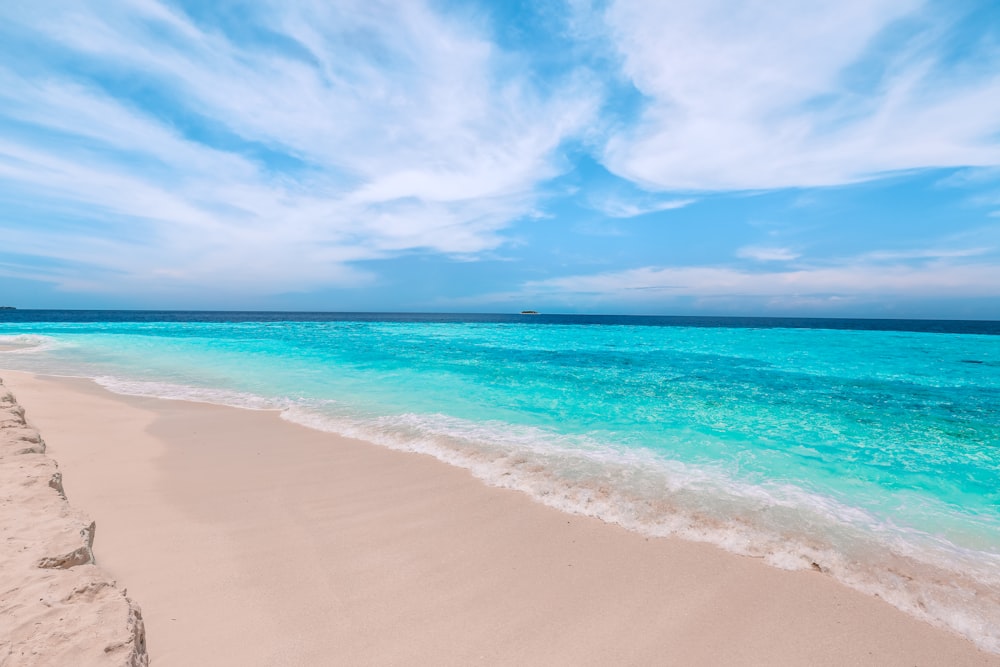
{"type": "Point", "coordinates": [630, 156]}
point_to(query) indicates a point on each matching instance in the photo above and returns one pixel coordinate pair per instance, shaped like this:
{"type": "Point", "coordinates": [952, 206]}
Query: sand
{"type": "Point", "coordinates": [57, 607]}
{"type": "Point", "coordinates": [249, 540]}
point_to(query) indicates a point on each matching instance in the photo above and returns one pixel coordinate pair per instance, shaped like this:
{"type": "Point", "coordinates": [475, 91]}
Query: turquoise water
{"type": "Point", "coordinates": [873, 456]}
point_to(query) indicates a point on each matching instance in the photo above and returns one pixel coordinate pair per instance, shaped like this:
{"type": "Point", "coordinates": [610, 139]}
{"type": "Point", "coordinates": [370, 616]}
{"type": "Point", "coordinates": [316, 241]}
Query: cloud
{"type": "Point", "coordinates": [315, 136]}
{"type": "Point", "coordinates": [762, 95]}
{"type": "Point", "coordinates": [926, 253]}
{"type": "Point", "coordinates": [298, 146]}
{"type": "Point", "coordinates": [762, 254]}
{"type": "Point", "coordinates": [881, 279]}
{"type": "Point", "coordinates": [621, 207]}
{"type": "Point", "coordinates": [985, 183]}
{"type": "Point", "coordinates": [932, 280]}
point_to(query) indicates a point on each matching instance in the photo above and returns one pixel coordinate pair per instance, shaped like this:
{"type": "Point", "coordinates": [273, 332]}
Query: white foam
{"type": "Point", "coordinates": [788, 527]}
{"type": "Point", "coordinates": [179, 392]}
{"type": "Point", "coordinates": [27, 344]}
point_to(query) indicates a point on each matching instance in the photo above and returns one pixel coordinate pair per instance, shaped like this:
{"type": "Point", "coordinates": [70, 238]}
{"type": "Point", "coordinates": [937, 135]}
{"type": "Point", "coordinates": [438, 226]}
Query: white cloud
{"type": "Point", "coordinates": [757, 95]}
{"type": "Point", "coordinates": [926, 253]}
{"type": "Point", "coordinates": [621, 207]}
{"type": "Point", "coordinates": [848, 282]}
{"type": "Point", "coordinates": [763, 254]}
{"type": "Point", "coordinates": [407, 130]}
{"type": "Point", "coordinates": [322, 134]}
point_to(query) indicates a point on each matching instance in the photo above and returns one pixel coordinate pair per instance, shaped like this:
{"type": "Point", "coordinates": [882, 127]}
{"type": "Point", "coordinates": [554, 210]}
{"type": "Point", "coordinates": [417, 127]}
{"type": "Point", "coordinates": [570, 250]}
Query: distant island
{"type": "Point", "coordinates": [529, 312]}
{"type": "Point", "coordinates": [7, 308]}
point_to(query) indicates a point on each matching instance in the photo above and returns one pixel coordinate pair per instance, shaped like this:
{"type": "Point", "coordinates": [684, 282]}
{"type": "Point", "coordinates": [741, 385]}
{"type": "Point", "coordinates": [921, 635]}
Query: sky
{"type": "Point", "coordinates": [726, 157]}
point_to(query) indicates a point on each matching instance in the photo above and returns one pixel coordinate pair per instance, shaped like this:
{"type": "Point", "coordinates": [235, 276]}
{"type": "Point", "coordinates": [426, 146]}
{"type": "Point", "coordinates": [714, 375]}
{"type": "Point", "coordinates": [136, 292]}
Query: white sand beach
{"type": "Point", "coordinates": [57, 607]}
{"type": "Point", "coordinates": [249, 540]}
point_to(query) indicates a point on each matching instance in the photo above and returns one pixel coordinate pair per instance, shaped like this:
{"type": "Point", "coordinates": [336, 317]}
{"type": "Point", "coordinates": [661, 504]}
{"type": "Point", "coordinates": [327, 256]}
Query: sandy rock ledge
{"type": "Point", "coordinates": [57, 607]}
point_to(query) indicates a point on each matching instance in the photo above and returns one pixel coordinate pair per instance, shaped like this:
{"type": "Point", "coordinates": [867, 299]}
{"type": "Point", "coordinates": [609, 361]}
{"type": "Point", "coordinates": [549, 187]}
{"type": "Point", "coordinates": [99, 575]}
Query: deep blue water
{"type": "Point", "coordinates": [869, 449]}
{"type": "Point", "coordinates": [984, 327]}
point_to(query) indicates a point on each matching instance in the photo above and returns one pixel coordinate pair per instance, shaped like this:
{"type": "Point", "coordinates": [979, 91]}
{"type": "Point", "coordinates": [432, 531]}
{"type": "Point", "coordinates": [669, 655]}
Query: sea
{"type": "Point", "coordinates": [868, 450]}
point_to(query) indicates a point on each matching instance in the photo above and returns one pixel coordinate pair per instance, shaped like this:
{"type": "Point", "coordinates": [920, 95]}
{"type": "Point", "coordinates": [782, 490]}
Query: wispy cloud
{"type": "Point", "coordinates": [317, 135]}
{"type": "Point", "coordinates": [757, 95]}
{"type": "Point", "coordinates": [767, 254]}
{"type": "Point", "coordinates": [929, 280]}
{"type": "Point", "coordinates": [622, 207]}
{"type": "Point", "coordinates": [926, 253]}
{"type": "Point", "coordinates": [876, 278]}
{"type": "Point", "coordinates": [158, 147]}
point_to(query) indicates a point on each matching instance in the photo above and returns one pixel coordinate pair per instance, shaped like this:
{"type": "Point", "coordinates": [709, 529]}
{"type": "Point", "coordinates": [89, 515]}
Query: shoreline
{"type": "Point", "coordinates": [248, 539]}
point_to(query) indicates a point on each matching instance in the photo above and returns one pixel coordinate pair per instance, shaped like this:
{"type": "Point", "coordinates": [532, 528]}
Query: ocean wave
{"type": "Point", "coordinates": [179, 392]}
{"type": "Point", "coordinates": [27, 343]}
{"type": "Point", "coordinates": [786, 526]}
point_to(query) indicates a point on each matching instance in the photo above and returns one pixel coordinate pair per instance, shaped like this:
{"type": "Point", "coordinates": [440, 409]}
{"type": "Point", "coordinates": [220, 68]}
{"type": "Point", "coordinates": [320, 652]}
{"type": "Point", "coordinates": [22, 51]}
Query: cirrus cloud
{"type": "Point", "coordinates": [308, 137]}
{"type": "Point", "coordinates": [760, 95]}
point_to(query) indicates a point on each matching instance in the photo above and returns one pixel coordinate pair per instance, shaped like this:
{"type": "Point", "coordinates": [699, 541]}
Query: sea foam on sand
{"type": "Point", "coordinates": [57, 607]}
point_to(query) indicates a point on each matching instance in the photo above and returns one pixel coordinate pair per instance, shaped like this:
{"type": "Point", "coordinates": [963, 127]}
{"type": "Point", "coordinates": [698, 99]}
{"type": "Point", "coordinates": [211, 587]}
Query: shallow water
{"type": "Point", "coordinates": [873, 455]}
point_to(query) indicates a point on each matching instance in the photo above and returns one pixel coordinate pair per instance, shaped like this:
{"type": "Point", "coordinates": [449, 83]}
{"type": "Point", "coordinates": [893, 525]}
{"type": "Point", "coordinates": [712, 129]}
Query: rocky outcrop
{"type": "Point", "coordinates": [57, 607]}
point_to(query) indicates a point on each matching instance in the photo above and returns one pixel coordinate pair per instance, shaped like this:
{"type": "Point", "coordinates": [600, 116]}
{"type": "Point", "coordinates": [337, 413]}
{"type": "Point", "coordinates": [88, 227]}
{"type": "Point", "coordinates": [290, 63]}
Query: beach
{"type": "Point", "coordinates": [57, 605]}
{"type": "Point", "coordinates": [507, 333]}
{"type": "Point", "coordinates": [250, 540]}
